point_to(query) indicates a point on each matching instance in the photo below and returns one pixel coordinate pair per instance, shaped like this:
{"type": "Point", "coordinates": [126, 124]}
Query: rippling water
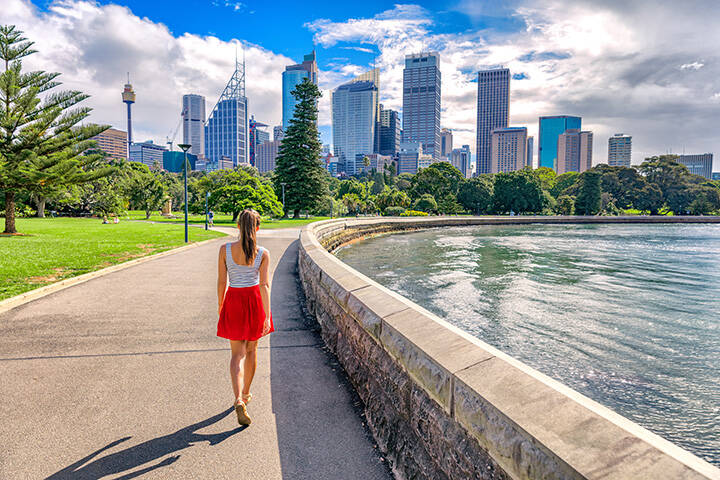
{"type": "Point", "coordinates": [627, 315]}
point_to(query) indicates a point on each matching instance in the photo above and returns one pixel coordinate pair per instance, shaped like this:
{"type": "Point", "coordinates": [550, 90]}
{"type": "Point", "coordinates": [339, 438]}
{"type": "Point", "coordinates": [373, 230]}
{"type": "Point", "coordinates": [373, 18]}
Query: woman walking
{"type": "Point", "coordinates": [244, 307]}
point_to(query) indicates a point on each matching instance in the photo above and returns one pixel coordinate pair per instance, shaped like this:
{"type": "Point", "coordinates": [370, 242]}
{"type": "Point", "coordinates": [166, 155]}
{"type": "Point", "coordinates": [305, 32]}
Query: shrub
{"type": "Point", "coordinates": [394, 211]}
{"type": "Point", "coordinates": [425, 203]}
{"type": "Point", "coordinates": [565, 205]}
{"type": "Point", "coordinates": [413, 213]}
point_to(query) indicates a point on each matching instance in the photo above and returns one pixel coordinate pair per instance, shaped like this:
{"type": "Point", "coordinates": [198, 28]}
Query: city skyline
{"type": "Point", "coordinates": [631, 80]}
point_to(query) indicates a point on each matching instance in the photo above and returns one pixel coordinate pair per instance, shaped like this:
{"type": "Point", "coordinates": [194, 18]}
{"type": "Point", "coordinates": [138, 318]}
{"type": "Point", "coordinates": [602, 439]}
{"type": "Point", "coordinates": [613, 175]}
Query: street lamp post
{"type": "Point", "coordinates": [207, 196]}
{"type": "Point", "coordinates": [282, 184]}
{"type": "Point", "coordinates": [185, 147]}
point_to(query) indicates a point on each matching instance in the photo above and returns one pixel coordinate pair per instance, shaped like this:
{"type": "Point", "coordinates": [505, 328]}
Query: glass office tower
{"type": "Point", "coordinates": [291, 77]}
{"type": "Point", "coordinates": [194, 123]}
{"type": "Point", "coordinates": [226, 128]}
{"type": "Point", "coordinates": [550, 130]}
{"type": "Point", "coordinates": [354, 119]}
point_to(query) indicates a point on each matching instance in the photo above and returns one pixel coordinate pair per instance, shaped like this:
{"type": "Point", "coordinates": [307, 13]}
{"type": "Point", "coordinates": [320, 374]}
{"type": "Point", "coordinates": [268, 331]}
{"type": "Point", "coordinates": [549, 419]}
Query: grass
{"type": "Point", "coordinates": [222, 219]}
{"type": "Point", "coordinates": [56, 248]}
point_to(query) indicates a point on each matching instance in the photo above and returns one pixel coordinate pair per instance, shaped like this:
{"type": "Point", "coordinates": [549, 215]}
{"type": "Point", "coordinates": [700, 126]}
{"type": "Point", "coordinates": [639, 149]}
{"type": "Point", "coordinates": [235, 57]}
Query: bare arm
{"type": "Point", "coordinates": [222, 277]}
{"type": "Point", "coordinates": [265, 288]}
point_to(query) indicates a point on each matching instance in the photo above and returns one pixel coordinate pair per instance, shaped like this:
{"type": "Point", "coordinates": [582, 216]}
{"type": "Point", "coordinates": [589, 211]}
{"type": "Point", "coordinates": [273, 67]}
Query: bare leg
{"type": "Point", "coordinates": [238, 348]}
{"type": "Point", "coordinates": [250, 364]}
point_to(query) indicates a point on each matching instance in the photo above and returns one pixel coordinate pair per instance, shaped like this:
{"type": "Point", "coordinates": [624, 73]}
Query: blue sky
{"type": "Point", "coordinates": [647, 68]}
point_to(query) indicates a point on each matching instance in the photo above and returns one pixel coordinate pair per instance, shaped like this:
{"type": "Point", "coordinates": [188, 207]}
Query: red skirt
{"type": "Point", "coordinates": [242, 315]}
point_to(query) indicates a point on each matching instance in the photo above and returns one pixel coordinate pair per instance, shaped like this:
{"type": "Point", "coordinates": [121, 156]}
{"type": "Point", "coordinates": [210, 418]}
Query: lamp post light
{"type": "Point", "coordinates": [185, 147]}
{"type": "Point", "coordinates": [207, 196]}
{"type": "Point", "coordinates": [282, 184]}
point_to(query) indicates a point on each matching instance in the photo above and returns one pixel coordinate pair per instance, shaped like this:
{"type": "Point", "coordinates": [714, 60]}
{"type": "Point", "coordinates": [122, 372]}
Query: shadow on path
{"type": "Point", "coordinates": [143, 453]}
{"type": "Point", "coordinates": [317, 413]}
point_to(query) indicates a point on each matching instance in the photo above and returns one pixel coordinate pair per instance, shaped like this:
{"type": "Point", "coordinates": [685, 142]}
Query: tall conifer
{"type": "Point", "coordinates": [298, 163]}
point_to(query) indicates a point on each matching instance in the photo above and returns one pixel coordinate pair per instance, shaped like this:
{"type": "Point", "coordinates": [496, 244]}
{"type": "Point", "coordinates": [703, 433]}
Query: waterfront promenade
{"type": "Point", "coordinates": [122, 376]}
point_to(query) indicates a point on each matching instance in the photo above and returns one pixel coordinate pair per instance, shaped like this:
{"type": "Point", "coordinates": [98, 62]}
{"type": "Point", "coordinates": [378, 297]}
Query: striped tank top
{"type": "Point", "coordinates": [242, 276]}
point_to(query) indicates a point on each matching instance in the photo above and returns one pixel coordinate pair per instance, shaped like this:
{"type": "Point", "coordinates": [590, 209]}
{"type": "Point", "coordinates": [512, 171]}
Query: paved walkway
{"type": "Point", "coordinates": [123, 376]}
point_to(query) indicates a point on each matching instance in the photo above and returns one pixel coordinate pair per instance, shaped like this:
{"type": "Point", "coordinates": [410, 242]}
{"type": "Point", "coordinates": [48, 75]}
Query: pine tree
{"type": "Point", "coordinates": [40, 140]}
{"type": "Point", "coordinates": [298, 163]}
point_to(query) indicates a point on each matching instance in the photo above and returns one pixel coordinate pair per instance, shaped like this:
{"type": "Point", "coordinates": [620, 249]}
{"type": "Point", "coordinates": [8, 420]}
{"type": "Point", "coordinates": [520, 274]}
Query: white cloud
{"type": "Point", "coordinates": [93, 46]}
{"type": "Point", "coordinates": [360, 49]}
{"type": "Point", "coordinates": [692, 66]}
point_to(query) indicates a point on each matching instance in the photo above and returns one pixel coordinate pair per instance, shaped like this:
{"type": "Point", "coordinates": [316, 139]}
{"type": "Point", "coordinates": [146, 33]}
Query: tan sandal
{"type": "Point", "coordinates": [242, 414]}
{"type": "Point", "coordinates": [246, 397]}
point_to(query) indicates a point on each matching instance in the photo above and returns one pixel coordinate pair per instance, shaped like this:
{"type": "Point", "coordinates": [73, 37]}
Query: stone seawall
{"type": "Point", "coordinates": [445, 405]}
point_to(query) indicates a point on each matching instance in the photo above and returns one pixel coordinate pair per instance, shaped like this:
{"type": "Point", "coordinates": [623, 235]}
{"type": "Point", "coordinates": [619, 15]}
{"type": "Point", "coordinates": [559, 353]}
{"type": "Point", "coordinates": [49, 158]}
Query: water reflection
{"type": "Point", "coordinates": [627, 315]}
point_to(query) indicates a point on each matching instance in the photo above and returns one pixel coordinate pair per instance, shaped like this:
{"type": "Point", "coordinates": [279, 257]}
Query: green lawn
{"type": "Point", "coordinates": [57, 248]}
{"type": "Point", "coordinates": [221, 219]}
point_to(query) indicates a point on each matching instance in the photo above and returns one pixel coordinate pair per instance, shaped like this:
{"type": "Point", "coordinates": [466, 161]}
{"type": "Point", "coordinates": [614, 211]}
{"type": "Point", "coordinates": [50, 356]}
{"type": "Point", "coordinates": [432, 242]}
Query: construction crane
{"type": "Point", "coordinates": [171, 140]}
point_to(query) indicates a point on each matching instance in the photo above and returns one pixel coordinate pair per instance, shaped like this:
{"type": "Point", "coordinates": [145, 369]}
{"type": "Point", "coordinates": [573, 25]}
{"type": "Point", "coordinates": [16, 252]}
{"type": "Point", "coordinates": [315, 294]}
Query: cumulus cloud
{"type": "Point", "coordinates": [613, 63]}
{"type": "Point", "coordinates": [94, 46]}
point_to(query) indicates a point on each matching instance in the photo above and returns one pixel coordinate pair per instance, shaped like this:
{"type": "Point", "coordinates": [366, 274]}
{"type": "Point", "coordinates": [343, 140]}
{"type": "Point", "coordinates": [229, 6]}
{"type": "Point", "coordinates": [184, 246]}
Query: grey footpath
{"type": "Point", "coordinates": [122, 377]}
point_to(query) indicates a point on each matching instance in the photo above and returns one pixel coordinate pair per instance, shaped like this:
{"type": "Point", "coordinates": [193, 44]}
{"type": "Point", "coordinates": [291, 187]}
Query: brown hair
{"type": "Point", "coordinates": [248, 221]}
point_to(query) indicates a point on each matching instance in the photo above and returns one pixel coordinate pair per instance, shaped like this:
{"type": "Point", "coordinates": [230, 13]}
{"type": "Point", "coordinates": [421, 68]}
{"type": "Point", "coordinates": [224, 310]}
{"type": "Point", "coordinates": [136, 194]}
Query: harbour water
{"type": "Point", "coordinates": [628, 315]}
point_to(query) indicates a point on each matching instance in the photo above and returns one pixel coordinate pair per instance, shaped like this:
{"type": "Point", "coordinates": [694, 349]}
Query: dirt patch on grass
{"type": "Point", "coordinates": [145, 249]}
{"type": "Point", "coordinates": [58, 273]}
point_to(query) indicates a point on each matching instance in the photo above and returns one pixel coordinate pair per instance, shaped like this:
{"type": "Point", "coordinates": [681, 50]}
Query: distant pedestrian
{"type": "Point", "coordinates": [244, 307]}
{"type": "Point", "coordinates": [210, 218]}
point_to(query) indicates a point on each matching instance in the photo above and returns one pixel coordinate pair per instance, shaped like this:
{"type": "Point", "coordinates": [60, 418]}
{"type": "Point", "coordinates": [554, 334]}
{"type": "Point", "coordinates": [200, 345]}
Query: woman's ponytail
{"type": "Point", "coordinates": [248, 222]}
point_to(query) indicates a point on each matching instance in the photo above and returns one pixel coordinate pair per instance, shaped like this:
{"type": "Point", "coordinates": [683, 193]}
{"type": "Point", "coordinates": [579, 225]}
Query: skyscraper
{"type": "Point", "coordinates": [390, 131]}
{"type": "Point", "coordinates": [226, 128]}
{"type": "Point", "coordinates": [291, 77]}
{"type": "Point", "coordinates": [550, 129]}
{"type": "Point", "coordinates": [257, 137]}
{"type": "Point", "coordinates": [493, 111]}
{"type": "Point", "coordinates": [194, 123]}
{"type": "Point", "coordinates": [698, 164]}
{"type": "Point", "coordinates": [421, 101]}
{"type": "Point", "coordinates": [619, 150]}
{"type": "Point", "coordinates": [354, 118]}
{"type": "Point", "coordinates": [508, 148]}
{"type": "Point", "coordinates": [530, 151]}
{"type": "Point", "coordinates": [446, 144]}
{"type": "Point", "coordinates": [574, 151]}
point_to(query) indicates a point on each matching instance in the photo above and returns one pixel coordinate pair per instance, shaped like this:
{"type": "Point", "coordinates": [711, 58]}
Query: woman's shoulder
{"type": "Point", "coordinates": [225, 246]}
{"type": "Point", "coordinates": [264, 252]}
